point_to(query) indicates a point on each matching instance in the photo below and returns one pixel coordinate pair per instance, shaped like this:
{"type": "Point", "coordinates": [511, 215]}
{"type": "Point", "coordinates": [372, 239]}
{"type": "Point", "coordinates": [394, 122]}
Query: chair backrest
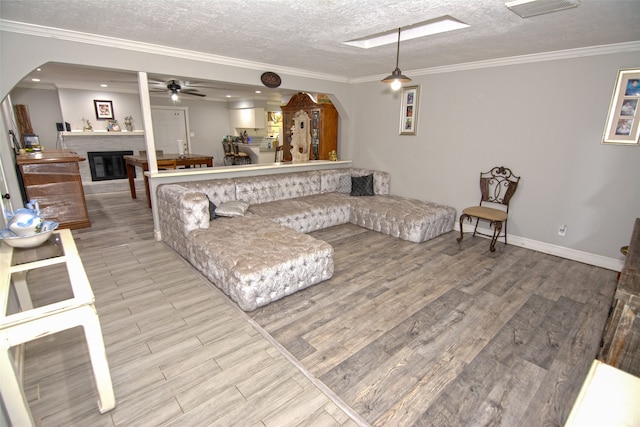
{"type": "Point", "coordinates": [278, 149]}
{"type": "Point", "coordinates": [227, 148]}
{"type": "Point", "coordinates": [498, 185]}
{"type": "Point", "coordinates": [144, 153]}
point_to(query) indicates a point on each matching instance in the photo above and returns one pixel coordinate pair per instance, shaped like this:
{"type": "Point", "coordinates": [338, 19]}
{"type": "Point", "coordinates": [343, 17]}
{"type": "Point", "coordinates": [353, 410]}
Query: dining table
{"type": "Point", "coordinates": [185, 160]}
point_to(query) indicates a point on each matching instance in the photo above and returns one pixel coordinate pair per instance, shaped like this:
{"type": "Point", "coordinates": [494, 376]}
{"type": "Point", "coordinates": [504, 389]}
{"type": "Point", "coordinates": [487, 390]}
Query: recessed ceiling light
{"type": "Point", "coordinates": [527, 8]}
{"type": "Point", "coordinates": [35, 80]}
{"type": "Point", "coordinates": [38, 69]}
{"type": "Point", "coordinates": [104, 85]}
{"type": "Point", "coordinates": [421, 29]}
{"type": "Point", "coordinates": [228, 96]}
{"type": "Point", "coordinates": [258, 91]}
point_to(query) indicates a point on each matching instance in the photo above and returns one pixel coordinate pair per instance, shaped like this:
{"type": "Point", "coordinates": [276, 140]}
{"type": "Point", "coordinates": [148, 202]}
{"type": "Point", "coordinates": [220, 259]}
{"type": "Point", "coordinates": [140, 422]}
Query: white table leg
{"type": "Point", "coordinates": [97, 352]}
{"type": "Point", "coordinates": [13, 397]}
{"type": "Point", "coordinates": [22, 291]}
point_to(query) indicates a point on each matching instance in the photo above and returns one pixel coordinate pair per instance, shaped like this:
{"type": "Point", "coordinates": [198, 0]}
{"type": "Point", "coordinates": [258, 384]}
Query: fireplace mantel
{"type": "Point", "coordinates": [104, 133]}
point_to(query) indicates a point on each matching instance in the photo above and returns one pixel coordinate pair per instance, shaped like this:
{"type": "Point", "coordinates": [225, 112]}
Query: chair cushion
{"type": "Point", "coordinates": [483, 212]}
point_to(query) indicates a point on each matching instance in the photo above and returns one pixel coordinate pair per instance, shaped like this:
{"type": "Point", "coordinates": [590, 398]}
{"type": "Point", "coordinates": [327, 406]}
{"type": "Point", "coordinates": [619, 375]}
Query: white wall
{"type": "Point", "coordinates": [44, 112]}
{"type": "Point", "coordinates": [78, 104]}
{"type": "Point", "coordinates": [544, 120]}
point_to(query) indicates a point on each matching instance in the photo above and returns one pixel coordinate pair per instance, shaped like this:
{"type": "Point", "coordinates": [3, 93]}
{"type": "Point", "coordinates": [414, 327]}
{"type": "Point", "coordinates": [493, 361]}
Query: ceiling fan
{"type": "Point", "coordinates": [174, 88]}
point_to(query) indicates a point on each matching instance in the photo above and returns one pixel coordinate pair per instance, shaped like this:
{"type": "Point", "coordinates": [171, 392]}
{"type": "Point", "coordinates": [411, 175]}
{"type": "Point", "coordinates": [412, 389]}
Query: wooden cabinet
{"type": "Point", "coordinates": [247, 118]}
{"type": "Point", "coordinates": [53, 179]}
{"type": "Point", "coordinates": [621, 340]}
{"type": "Point", "coordinates": [324, 126]}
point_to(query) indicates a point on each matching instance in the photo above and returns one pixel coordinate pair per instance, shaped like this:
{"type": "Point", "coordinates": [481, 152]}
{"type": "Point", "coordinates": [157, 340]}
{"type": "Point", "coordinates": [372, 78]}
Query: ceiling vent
{"type": "Point", "coordinates": [527, 8]}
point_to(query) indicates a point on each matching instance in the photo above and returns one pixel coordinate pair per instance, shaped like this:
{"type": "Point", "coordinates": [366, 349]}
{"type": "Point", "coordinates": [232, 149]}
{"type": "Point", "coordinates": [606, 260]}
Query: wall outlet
{"type": "Point", "coordinates": [562, 231]}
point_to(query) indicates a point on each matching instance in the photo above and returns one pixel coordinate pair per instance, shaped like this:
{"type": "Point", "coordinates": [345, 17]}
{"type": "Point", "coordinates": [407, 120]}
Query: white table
{"type": "Point", "coordinates": [608, 397]}
{"type": "Point", "coordinates": [31, 323]}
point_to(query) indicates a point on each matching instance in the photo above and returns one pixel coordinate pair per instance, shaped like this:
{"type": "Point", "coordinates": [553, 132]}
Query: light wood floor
{"type": "Point", "coordinates": [404, 334]}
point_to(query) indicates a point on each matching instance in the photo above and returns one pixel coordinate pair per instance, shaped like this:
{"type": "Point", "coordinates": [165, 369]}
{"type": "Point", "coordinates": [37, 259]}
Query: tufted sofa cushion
{"type": "Point", "coordinates": [408, 219]}
{"type": "Point", "coordinates": [270, 188]}
{"type": "Point", "coordinates": [308, 213]}
{"type": "Point", "coordinates": [256, 261]}
{"type": "Point", "coordinates": [330, 179]}
{"type": "Point", "coordinates": [217, 190]}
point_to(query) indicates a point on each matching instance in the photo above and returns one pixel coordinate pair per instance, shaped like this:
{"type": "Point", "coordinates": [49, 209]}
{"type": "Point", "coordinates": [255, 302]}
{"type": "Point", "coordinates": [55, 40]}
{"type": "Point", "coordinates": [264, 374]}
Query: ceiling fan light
{"type": "Point", "coordinates": [174, 95]}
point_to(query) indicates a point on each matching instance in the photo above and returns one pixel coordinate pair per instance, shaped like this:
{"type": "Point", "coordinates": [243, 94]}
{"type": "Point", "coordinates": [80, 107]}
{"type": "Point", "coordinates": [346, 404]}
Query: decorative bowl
{"type": "Point", "coordinates": [30, 240]}
{"type": "Point", "coordinates": [25, 222]}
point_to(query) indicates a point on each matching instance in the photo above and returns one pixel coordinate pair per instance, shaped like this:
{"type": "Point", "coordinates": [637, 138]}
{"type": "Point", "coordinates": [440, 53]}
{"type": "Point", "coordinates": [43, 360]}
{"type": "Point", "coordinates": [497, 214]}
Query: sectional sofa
{"type": "Point", "coordinates": [248, 235]}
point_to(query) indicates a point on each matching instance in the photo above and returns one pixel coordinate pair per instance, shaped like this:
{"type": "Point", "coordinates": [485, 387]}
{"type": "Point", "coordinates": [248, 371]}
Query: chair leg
{"type": "Point", "coordinates": [505, 231]}
{"type": "Point", "coordinates": [497, 227]}
{"type": "Point", "coordinates": [462, 217]}
{"type": "Point", "coordinates": [475, 229]}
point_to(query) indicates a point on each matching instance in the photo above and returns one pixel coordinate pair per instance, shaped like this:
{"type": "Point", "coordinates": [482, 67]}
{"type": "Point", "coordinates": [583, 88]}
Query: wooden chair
{"type": "Point", "coordinates": [144, 153]}
{"type": "Point", "coordinates": [279, 148]}
{"type": "Point", "coordinates": [497, 187]}
{"type": "Point", "coordinates": [228, 153]}
{"type": "Point", "coordinates": [240, 158]}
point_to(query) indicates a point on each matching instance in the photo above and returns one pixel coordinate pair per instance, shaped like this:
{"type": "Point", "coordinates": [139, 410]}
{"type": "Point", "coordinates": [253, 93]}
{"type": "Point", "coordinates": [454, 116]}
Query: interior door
{"type": "Point", "coordinates": [169, 127]}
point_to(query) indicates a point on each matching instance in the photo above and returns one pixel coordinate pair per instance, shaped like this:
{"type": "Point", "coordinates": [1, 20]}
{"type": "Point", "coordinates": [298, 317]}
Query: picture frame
{"type": "Point", "coordinates": [623, 121]}
{"type": "Point", "coordinates": [31, 140]}
{"type": "Point", "coordinates": [104, 109]}
{"type": "Point", "coordinates": [409, 110]}
{"type": "Point", "coordinates": [113, 126]}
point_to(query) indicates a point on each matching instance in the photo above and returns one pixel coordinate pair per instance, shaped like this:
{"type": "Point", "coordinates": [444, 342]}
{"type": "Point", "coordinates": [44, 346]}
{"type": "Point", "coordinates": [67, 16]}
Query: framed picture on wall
{"type": "Point", "coordinates": [409, 110]}
{"type": "Point", "coordinates": [623, 121]}
{"type": "Point", "coordinates": [104, 109]}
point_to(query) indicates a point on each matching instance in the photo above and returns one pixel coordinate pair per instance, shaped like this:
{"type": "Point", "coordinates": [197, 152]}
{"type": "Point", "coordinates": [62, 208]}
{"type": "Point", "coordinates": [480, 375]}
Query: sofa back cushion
{"type": "Point", "coordinates": [217, 190]}
{"type": "Point", "coordinates": [270, 188]}
{"type": "Point", "coordinates": [330, 179]}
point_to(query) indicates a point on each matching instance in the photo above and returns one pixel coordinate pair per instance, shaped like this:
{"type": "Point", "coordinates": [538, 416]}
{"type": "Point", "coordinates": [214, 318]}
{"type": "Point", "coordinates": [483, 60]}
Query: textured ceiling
{"type": "Point", "coordinates": [308, 34]}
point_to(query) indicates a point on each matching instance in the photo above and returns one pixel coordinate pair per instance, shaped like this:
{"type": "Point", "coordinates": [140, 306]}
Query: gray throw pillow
{"type": "Point", "coordinates": [344, 184]}
{"type": "Point", "coordinates": [362, 185]}
{"type": "Point", "coordinates": [212, 210]}
{"type": "Point", "coordinates": [232, 208]}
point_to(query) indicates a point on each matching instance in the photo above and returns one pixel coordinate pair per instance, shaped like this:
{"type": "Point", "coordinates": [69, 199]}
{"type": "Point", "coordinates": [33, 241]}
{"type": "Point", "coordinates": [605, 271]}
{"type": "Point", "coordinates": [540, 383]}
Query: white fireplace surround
{"type": "Point", "coordinates": [84, 142]}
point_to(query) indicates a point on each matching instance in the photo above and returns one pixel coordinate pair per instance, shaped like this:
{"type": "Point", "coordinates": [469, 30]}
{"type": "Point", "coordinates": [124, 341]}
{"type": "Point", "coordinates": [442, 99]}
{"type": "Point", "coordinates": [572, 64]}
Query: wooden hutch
{"type": "Point", "coordinates": [324, 125]}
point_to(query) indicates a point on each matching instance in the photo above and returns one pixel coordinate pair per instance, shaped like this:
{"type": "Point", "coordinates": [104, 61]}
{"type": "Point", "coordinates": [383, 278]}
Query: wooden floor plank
{"type": "Point", "coordinates": [437, 333]}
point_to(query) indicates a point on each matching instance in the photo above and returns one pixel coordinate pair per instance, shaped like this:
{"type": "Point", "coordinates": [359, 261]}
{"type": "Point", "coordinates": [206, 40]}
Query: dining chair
{"type": "Point", "coordinates": [279, 148]}
{"type": "Point", "coordinates": [496, 187]}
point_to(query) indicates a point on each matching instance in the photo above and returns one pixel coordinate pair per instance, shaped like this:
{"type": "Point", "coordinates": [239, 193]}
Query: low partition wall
{"type": "Point", "coordinates": [199, 174]}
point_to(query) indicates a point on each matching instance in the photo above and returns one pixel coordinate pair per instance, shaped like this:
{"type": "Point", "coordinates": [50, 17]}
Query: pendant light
{"type": "Point", "coordinates": [396, 78]}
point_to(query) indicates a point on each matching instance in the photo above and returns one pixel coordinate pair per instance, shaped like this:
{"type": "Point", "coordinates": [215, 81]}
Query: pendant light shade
{"type": "Point", "coordinates": [396, 78]}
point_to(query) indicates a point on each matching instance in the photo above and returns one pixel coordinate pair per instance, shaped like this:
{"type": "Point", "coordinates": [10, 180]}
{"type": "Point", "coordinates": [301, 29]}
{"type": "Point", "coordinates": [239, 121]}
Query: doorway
{"type": "Point", "coordinates": [171, 125]}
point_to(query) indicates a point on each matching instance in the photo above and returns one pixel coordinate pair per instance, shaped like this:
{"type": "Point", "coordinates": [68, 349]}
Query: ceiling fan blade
{"type": "Point", "coordinates": [191, 92]}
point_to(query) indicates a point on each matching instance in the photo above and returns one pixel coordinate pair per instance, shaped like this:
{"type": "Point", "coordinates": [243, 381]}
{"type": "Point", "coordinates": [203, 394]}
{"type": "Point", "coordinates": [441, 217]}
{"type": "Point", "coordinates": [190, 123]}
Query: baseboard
{"type": "Point", "coordinates": [560, 251]}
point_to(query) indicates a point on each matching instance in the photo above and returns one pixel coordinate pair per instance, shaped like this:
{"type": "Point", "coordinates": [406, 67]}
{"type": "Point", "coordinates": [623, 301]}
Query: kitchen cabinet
{"type": "Point", "coordinates": [248, 118]}
{"type": "Point", "coordinates": [52, 177]}
{"type": "Point", "coordinates": [324, 125]}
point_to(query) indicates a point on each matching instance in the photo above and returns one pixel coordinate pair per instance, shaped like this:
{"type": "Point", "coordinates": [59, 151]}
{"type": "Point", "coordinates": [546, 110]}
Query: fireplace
{"type": "Point", "coordinates": [106, 165]}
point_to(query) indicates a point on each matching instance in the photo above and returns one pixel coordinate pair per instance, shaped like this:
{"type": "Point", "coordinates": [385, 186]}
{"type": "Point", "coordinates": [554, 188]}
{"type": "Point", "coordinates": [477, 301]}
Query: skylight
{"type": "Point", "coordinates": [421, 29]}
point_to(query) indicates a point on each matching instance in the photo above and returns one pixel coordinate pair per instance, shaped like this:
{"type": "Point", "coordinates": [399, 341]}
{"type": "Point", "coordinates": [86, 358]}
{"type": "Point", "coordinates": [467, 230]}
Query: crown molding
{"type": "Point", "coordinates": [98, 40]}
{"type": "Point", "coordinates": [518, 60]}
